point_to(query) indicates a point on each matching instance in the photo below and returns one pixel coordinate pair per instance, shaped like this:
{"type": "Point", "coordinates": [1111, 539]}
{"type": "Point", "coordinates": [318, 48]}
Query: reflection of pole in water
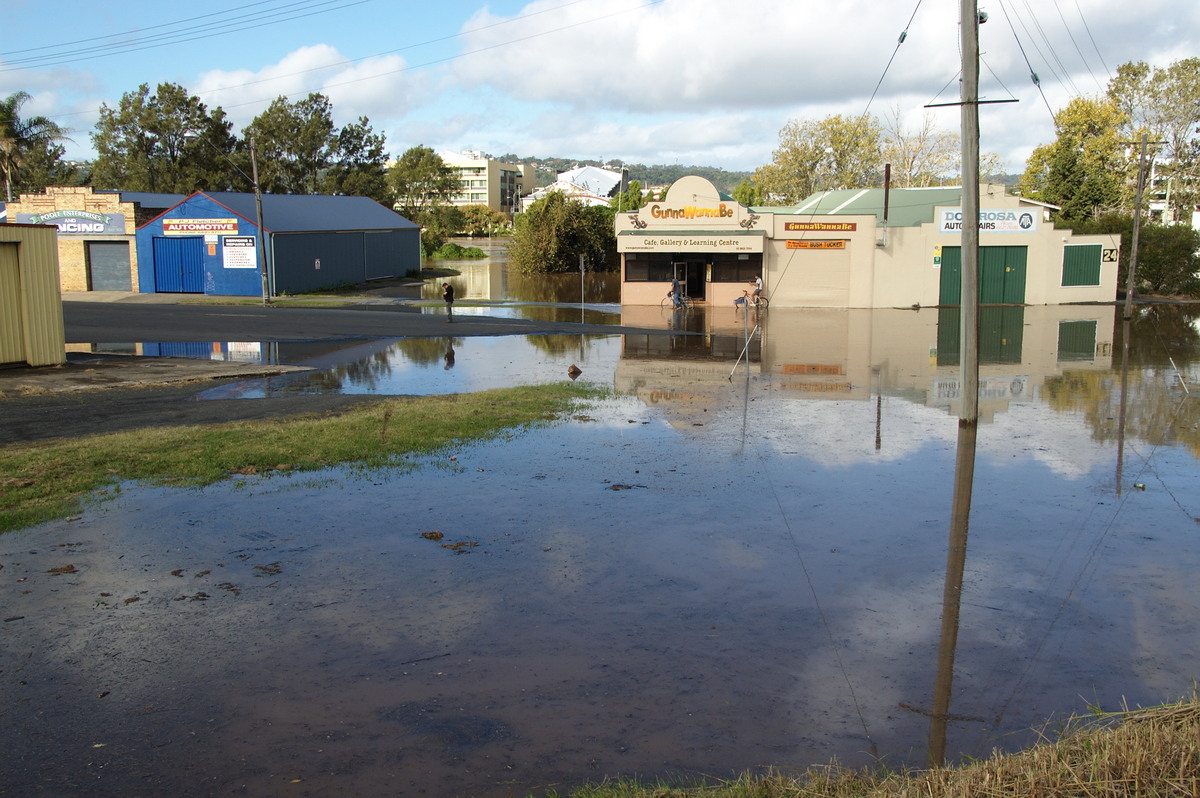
{"type": "Point", "coordinates": [1124, 392]}
{"type": "Point", "coordinates": [878, 407]}
{"type": "Point", "coordinates": [956, 560]}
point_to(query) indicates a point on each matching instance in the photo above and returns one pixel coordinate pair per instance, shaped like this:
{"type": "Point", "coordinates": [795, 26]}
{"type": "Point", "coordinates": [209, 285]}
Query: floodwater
{"type": "Point", "coordinates": [734, 563]}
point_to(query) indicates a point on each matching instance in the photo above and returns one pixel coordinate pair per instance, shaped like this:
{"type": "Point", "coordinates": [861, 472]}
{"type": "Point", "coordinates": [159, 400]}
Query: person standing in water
{"type": "Point", "coordinates": [448, 296]}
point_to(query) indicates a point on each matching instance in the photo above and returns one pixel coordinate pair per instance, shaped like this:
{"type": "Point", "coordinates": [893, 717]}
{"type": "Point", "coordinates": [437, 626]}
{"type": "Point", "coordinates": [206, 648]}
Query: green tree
{"type": "Point", "coordinates": [167, 141]}
{"type": "Point", "coordinates": [480, 220]}
{"type": "Point", "coordinates": [420, 180]}
{"type": "Point", "coordinates": [552, 233]}
{"type": "Point", "coordinates": [23, 139]}
{"type": "Point", "coordinates": [748, 194]}
{"type": "Point", "coordinates": [629, 200]}
{"type": "Point", "coordinates": [296, 142]}
{"type": "Point", "coordinates": [1085, 171]}
{"type": "Point", "coordinates": [359, 164]}
{"type": "Point", "coordinates": [835, 152]}
{"type": "Point", "coordinates": [1165, 103]}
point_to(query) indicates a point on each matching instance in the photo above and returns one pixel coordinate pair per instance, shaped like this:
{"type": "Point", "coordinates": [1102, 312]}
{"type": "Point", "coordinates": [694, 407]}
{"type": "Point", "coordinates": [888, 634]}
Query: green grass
{"type": "Point", "coordinates": [53, 479]}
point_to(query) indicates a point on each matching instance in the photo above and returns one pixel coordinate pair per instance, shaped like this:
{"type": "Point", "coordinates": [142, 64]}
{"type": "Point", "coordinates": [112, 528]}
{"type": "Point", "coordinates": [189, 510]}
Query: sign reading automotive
{"type": "Point", "coordinates": [239, 252]}
{"type": "Point", "coordinates": [810, 244]}
{"type": "Point", "coordinates": [199, 227]}
{"type": "Point", "coordinates": [78, 223]}
{"type": "Point", "coordinates": [991, 220]}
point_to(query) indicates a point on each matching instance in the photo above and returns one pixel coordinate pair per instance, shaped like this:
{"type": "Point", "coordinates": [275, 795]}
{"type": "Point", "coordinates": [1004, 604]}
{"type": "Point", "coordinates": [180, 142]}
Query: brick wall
{"type": "Point", "coordinates": [72, 249]}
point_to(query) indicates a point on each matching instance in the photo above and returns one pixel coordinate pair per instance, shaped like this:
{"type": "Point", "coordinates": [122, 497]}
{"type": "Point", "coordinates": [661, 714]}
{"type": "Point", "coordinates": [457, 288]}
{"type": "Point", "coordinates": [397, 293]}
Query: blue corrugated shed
{"type": "Point", "coordinates": [210, 243]}
{"type": "Point", "coordinates": [307, 213]}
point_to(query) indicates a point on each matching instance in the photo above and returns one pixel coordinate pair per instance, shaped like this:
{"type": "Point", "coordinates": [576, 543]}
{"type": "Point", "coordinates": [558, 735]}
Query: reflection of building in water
{"type": "Point", "coordinates": [859, 353]}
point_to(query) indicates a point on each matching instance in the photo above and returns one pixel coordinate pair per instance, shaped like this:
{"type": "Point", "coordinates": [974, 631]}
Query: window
{"type": "Point", "coordinates": [736, 268]}
{"type": "Point", "coordinates": [648, 267]}
{"type": "Point", "coordinates": [1081, 264]}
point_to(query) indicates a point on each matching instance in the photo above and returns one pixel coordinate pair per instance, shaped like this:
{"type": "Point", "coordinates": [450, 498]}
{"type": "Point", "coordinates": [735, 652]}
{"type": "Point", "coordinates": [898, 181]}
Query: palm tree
{"type": "Point", "coordinates": [18, 136]}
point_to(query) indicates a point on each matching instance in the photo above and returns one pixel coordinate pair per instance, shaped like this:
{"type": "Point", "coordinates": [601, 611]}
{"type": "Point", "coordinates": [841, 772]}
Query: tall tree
{"type": "Point", "coordinates": [1085, 171]}
{"type": "Point", "coordinates": [421, 180]}
{"type": "Point", "coordinates": [167, 141]}
{"type": "Point", "coordinates": [422, 186]}
{"type": "Point", "coordinates": [1165, 103]}
{"type": "Point", "coordinates": [835, 152]}
{"type": "Point", "coordinates": [630, 199]}
{"type": "Point", "coordinates": [922, 157]}
{"type": "Point", "coordinates": [551, 234]}
{"type": "Point", "coordinates": [21, 139]}
{"type": "Point", "coordinates": [295, 142]}
{"type": "Point", "coordinates": [359, 163]}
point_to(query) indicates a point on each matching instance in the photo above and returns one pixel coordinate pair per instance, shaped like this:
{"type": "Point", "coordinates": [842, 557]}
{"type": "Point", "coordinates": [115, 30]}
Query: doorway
{"type": "Point", "coordinates": [691, 273]}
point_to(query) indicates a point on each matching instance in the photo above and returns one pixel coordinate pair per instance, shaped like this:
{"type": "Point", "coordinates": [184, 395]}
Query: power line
{"type": "Point", "coordinates": [1033, 75]}
{"type": "Point", "coordinates": [177, 38]}
{"type": "Point", "coordinates": [899, 41]}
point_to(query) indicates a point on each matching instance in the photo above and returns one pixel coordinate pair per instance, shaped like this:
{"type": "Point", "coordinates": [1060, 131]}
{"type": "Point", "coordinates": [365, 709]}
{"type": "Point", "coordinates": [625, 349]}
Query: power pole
{"type": "Point", "coordinates": [1131, 278]}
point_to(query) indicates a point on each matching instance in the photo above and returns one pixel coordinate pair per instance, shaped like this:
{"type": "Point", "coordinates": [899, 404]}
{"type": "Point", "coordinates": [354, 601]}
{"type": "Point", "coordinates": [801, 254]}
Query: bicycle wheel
{"type": "Point", "coordinates": [763, 303]}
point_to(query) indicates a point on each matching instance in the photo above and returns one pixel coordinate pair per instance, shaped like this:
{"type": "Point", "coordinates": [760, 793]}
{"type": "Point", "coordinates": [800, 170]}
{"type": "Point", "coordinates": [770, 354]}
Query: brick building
{"type": "Point", "coordinates": [96, 230]}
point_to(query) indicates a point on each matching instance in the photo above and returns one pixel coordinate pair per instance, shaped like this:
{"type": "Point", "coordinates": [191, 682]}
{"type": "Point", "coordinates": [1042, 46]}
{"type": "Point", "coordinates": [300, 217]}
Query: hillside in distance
{"type": "Point", "coordinates": [547, 169]}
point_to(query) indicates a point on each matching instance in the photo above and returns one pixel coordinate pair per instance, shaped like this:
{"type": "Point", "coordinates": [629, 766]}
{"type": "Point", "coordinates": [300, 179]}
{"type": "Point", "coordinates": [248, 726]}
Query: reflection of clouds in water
{"type": "Point", "coordinates": [843, 433]}
{"type": "Point", "coordinates": [1060, 441]}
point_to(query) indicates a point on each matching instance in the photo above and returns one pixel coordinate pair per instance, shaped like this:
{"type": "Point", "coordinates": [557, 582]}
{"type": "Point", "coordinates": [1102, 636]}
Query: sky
{"type": "Point", "coordinates": [688, 82]}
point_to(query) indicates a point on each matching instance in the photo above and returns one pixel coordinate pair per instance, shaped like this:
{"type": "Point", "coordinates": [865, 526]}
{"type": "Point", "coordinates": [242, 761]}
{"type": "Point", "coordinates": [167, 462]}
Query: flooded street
{"type": "Point", "coordinates": [738, 561]}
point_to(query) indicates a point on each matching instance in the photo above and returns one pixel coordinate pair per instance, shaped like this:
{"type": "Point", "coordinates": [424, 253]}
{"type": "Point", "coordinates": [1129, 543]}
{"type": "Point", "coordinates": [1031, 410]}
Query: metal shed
{"type": "Point", "coordinates": [208, 244]}
{"type": "Point", "coordinates": [31, 318]}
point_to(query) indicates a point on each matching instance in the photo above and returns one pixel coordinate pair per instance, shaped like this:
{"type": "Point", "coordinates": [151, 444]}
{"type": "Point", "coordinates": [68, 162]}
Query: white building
{"type": "Point", "coordinates": [590, 185]}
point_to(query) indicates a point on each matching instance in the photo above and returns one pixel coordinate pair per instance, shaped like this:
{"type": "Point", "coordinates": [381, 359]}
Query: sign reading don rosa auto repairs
{"type": "Point", "coordinates": [200, 227]}
{"type": "Point", "coordinates": [991, 220]}
{"type": "Point", "coordinates": [78, 223]}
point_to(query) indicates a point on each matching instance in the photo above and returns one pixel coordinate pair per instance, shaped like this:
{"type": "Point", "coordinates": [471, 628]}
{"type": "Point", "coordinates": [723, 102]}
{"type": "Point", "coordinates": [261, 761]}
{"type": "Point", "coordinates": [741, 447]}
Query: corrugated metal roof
{"type": "Point", "coordinates": [307, 213]}
{"type": "Point", "coordinates": [150, 199]}
{"type": "Point", "coordinates": [907, 207]}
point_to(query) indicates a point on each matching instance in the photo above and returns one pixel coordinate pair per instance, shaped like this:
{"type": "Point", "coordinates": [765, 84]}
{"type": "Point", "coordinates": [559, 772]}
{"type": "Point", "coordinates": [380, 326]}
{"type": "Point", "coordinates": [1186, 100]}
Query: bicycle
{"type": "Point", "coordinates": [748, 300]}
{"type": "Point", "coordinates": [668, 302]}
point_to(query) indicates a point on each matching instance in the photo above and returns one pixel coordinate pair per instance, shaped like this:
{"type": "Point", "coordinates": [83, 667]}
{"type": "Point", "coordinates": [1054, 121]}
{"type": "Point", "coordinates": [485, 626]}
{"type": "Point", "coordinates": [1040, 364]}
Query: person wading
{"type": "Point", "coordinates": [448, 296]}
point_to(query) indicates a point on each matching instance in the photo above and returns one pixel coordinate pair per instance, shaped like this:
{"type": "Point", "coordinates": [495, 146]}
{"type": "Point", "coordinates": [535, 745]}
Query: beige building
{"type": "Point", "coordinates": [96, 250]}
{"type": "Point", "coordinates": [488, 182]}
{"type": "Point", "coordinates": [857, 248]}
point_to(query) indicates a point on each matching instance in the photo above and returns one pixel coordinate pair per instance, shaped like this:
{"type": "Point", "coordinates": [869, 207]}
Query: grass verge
{"type": "Point", "coordinates": [1143, 752]}
{"type": "Point", "coordinates": [52, 479]}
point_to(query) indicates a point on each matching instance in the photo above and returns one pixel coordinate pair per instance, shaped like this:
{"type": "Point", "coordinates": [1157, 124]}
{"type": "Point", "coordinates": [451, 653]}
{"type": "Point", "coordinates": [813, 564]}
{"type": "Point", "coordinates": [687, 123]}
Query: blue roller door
{"type": "Point", "coordinates": [179, 265]}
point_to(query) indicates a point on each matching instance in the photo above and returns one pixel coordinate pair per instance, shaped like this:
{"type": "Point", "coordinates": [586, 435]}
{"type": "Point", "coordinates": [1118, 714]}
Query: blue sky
{"type": "Point", "coordinates": [694, 82]}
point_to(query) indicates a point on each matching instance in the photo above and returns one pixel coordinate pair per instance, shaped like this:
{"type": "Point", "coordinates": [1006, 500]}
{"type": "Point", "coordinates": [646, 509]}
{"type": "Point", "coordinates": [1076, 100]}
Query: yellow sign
{"type": "Point", "coordinates": [840, 244]}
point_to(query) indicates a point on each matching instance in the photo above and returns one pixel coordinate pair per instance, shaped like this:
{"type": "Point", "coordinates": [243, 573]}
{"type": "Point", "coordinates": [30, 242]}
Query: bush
{"type": "Point", "coordinates": [452, 251]}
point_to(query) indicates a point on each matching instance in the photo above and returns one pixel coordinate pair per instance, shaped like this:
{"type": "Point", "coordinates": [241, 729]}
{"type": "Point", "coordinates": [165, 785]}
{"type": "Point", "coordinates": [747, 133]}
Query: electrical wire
{"type": "Point", "coordinates": [207, 31]}
{"type": "Point", "coordinates": [1032, 74]}
{"type": "Point", "coordinates": [896, 49]}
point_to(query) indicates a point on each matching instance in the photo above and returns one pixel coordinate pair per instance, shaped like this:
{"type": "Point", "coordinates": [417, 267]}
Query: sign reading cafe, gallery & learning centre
{"type": "Point", "coordinates": [991, 220]}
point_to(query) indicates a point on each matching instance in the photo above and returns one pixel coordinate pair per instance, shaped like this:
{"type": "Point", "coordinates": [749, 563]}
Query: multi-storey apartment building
{"type": "Point", "coordinates": [497, 185]}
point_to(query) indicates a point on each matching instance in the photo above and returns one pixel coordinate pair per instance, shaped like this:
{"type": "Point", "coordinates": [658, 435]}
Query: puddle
{"type": "Point", "coordinates": [722, 568]}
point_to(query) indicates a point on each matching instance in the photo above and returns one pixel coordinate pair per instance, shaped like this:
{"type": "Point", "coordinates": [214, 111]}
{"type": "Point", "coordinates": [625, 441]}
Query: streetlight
{"type": "Point", "coordinates": [253, 178]}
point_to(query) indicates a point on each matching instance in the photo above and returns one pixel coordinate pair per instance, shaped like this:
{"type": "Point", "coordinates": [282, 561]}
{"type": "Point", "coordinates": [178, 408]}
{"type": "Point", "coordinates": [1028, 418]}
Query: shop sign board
{"type": "Point", "coordinates": [199, 227]}
{"type": "Point", "coordinates": [991, 220]}
{"type": "Point", "coordinates": [811, 244]}
{"type": "Point", "coordinates": [78, 223]}
{"type": "Point", "coordinates": [239, 252]}
{"type": "Point", "coordinates": [690, 243]}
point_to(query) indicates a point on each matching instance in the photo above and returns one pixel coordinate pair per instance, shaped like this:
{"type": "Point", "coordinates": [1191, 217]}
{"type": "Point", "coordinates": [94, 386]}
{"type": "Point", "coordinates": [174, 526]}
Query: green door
{"type": "Point", "coordinates": [1001, 276]}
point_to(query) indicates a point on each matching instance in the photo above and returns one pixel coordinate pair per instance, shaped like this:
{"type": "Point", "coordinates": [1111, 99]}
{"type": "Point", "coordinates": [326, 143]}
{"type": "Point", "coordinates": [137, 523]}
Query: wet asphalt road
{"type": "Point", "coordinates": [130, 322]}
